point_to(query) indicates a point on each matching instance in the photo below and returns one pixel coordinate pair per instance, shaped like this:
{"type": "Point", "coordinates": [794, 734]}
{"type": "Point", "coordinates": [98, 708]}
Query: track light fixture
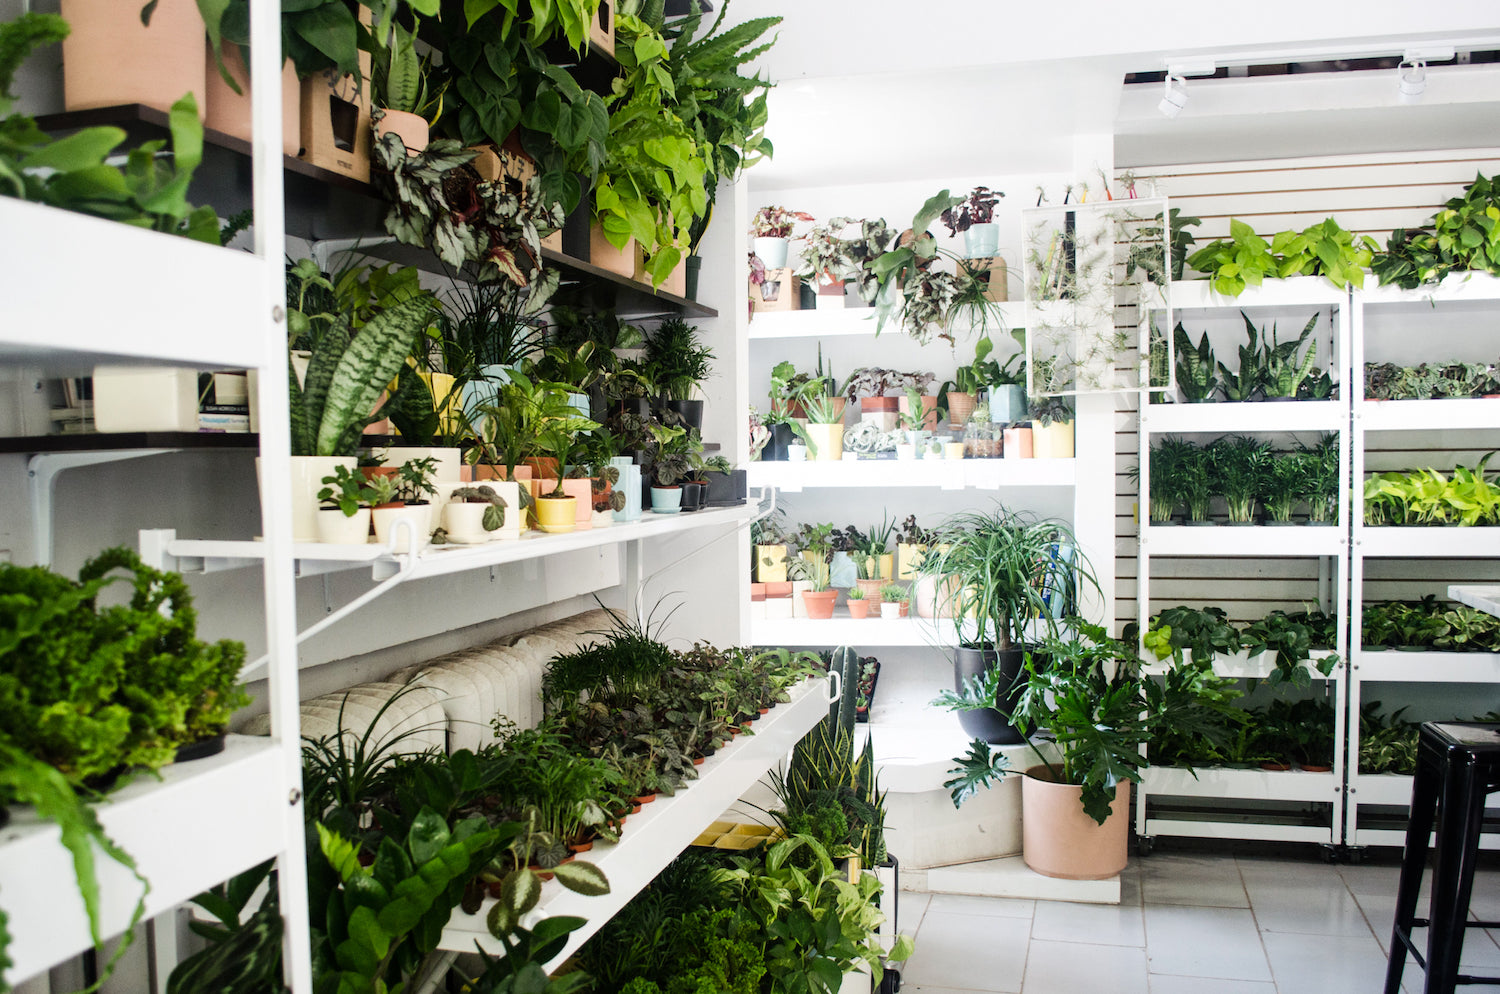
{"type": "Point", "coordinates": [1411, 79]}
{"type": "Point", "coordinates": [1174, 87]}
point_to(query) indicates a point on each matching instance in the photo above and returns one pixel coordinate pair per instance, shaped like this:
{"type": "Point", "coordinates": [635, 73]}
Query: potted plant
{"type": "Point", "coordinates": [810, 582]}
{"type": "Point", "coordinates": [671, 459]}
{"type": "Point", "coordinates": [1051, 427]}
{"type": "Point", "coordinates": [475, 515]}
{"type": "Point", "coordinates": [557, 500]}
{"type": "Point", "coordinates": [1167, 457]}
{"type": "Point", "coordinates": [407, 106]}
{"type": "Point", "coordinates": [912, 541]}
{"type": "Point", "coordinates": [1196, 380]}
{"type": "Point", "coordinates": [678, 363]}
{"type": "Point", "coordinates": [1320, 483]}
{"type": "Point", "coordinates": [859, 607]}
{"type": "Point", "coordinates": [344, 513]}
{"type": "Point", "coordinates": [961, 394]}
{"type": "Point", "coordinates": [1284, 373]}
{"type": "Point", "coordinates": [1092, 698]}
{"type": "Point", "coordinates": [974, 218]}
{"type": "Point", "coordinates": [771, 234]}
{"type": "Point", "coordinates": [825, 427]}
{"type": "Point", "coordinates": [1238, 464]}
{"type": "Point", "coordinates": [1282, 486]}
{"type": "Point", "coordinates": [1241, 385]}
{"type": "Point", "coordinates": [828, 260]}
{"type": "Point", "coordinates": [1015, 574]}
{"type": "Point", "coordinates": [893, 601]}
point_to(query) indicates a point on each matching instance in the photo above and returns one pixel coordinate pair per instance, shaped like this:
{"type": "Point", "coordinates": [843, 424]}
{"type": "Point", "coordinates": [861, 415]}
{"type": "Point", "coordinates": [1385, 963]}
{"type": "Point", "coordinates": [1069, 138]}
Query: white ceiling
{"type": "Point", "coordinates": [886, 91]}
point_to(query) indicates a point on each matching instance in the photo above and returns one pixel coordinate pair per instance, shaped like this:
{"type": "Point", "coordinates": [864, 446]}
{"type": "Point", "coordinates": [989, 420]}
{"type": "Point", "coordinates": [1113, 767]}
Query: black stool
{"type": "Point", "coordinates": [1458, 764]}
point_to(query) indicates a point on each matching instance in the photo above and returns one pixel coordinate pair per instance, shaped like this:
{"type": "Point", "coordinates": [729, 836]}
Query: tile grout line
{"type": "Point", "coordinates": [1260, 935]}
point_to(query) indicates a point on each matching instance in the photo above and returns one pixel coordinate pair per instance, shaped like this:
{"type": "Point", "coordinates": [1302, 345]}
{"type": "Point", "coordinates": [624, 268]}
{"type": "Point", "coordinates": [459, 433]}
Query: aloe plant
{"type": "Point", "coordinates": [1195, 367]}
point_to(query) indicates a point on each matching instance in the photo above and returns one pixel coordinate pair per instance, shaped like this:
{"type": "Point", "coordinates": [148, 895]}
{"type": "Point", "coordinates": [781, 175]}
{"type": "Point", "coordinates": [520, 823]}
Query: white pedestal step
{"type": "Point", "coordinates": [1008, 877]}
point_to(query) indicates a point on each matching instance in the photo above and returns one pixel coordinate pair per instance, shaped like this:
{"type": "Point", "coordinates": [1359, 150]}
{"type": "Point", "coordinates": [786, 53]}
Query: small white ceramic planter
{"type": "Point", "coordinates": [307, 474]}
{"type": "Point", "coordinates": [905, 450]}
{"type": "Point", "coordinates": [799, 603]}
{"type": "Point", "coordinates": [337, 528]}
{"type": "Point", "coordinates": [890, 610]}
{"type": "Point", "coordinates": [464, 523]}
{"type": "Point", "coordinates": [796, 452]}
{"type": "Point", "coordinates": [448, 459]}
{"type": "Point", "coordinates": [415, 525]}
{"type": "Point", "coordinates": [603, 519]}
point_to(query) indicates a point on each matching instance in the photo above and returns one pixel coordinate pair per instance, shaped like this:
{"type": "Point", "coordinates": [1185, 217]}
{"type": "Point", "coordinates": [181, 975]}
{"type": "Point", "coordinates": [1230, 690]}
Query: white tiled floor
{"type": "Point", "coordinates": [1188, 923]}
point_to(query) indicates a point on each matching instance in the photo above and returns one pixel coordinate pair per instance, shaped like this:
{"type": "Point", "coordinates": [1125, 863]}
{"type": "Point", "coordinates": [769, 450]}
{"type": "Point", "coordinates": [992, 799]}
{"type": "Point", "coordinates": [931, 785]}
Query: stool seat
{"type": "Point", "coordinates": [1458, 765]}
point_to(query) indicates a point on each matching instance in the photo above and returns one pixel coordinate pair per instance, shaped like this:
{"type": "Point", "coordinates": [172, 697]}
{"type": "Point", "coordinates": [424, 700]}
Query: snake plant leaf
{"type": "Point", "coordinates": [367, 365]}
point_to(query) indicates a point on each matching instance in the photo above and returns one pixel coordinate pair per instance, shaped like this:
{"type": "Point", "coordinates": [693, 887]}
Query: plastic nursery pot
{"type": "Point", "coordinates": [337, 528]}
{"type": "Point", "coordinates": [557, 515]}
{"type": "Point", "coordinates": [202, 749]}
{"type": "Point", "coordinates": [819, 603]}
{"type": "Point", "coordinates": [666, 500]}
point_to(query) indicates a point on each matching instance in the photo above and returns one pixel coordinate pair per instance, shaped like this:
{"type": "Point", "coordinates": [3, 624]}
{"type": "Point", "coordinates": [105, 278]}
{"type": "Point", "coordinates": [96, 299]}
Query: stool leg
{"type": "Point", "coordinates": [1461, 813]}
{"type": "Point", "coordinates": [1424, 795]}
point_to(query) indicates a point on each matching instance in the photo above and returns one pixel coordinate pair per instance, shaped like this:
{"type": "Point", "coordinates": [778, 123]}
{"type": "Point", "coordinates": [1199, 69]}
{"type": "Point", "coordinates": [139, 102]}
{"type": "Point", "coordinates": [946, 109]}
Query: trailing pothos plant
{"type": "Point", "coordinates": [1463, 236]}
{"type": "Point", "coordinates": [1246, 259]}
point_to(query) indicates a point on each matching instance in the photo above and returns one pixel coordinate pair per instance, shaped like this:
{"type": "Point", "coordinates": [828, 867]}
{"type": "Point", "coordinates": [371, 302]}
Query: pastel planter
{"type": "Point", "coordinates": [557, 515]}
{"type": "Point", "coordinates": [1059, 840]}
{"type": "Point", "coordinates": [110, 57]}
{"type": "Point", "coordinates": [412, 129]}
{"type": "Point", "coordinates": [403, 528]}
{"type": "Point", "coordinates": [827, 442]}
{"type": "Point", "coordinates": [229, 112]}
{"type": "Point", "coordinates": [953, 450]}
{"type": "Point", "coordinates": [799, 605]}
{"type": "Point", "coordinates": [1018, 442]}
{"type": "Point", "coordinates": [906, 452]}
{"type": "Point", "coordinates": [666, 500]}
{"type": "Point", "coordinates": [908, 559]}
{"type": "Point", "coordinates": [842, 571]}
{"type": "Point", "coordinates": [1007, 403]}
{"type": "Point", "coordinates": [630, 486]}
{"type": "Point", "coordinates": [449, 459]}
{"type": "Point", "coordinates": [796, 452]}
{"type": "Point", "coordinates": [889, 610]}
{"type": "Point", "coordinates": [772, 251]}
{"type": "Point", "coordinates": [1054, 441]}
{"type": "Point", "coordinates": [307, 474]}
{"type": "Point", "coordinates": [464, 523]}
{"type": "Point", "coordinates": [770, 563]}
{"type": "Point", "coordinates": [337, 528]}
{"type": "Point", "coordinates": [515, 515]}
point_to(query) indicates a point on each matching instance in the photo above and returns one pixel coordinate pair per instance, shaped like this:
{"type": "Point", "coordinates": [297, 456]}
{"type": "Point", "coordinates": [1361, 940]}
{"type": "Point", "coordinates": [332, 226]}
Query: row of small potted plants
{"type": "Point", "coordinates": [1245, 473]}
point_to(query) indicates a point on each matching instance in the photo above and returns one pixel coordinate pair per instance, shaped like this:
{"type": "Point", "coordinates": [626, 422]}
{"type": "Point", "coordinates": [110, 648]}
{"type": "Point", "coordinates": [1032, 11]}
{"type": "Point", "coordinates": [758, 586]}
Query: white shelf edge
{"type": "Point", "coordinates": [1297, 291]}
{"type": "Point", "coordinates": [126, 266]}
{"type": "Point", "coordinates": [957, 474]}
{"type": "Point", "coordinates": [1242, 540]}
{"type": "Point", "coordinates": [1301, 415]}
{"type": "Point", "coordinates": [844, 630]}
{"type": "Point", "coordinates": [1474, 285]}
{"type": "Point", "coordinates": [225, 812]}
{"type": "Point", "coordinates": [1222, 782]}
{"type": "Point", "coordinates": [1242, 667]}
{"type": "Point", "coordinates": [1427, 542]}
{"type": "Point", "coordinates": [835, 322]}
{"type": "Point", "coordinates": [1402, 666]}
{"type": "Point", "coordinates": [663, 828]}
{"type": "Point", "coordinates": [1428, 415]}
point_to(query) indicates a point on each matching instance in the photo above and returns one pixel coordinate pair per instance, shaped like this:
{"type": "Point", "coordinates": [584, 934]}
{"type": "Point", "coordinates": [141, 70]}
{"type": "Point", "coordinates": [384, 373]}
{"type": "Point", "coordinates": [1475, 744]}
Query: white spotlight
{"type": "Point", "coordinates": [1174, 95]}
{"type": "Point", "coordinates": [1411, 76]}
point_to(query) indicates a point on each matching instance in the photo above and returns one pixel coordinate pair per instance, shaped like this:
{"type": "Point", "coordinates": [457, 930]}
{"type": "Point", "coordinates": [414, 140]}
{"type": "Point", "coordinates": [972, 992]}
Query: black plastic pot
{"type": "Point", "coordinates": [775, 450]}
{"type": "Point", "coordinates": [690, 411]}
{"type": "Point", "coordinates": [989, 724]}
{"type": "Point", "coordinates": [694, 266]}
{"type": "Point", "coordinates": [575, 231]}
{"type": "Point", "coordinates": [725, 489]}
{"type": "Point", "coordinates": [693, 493]}
{"type": "Point", "coordinates": [201, 749]}
{"type": "Point", "coordinates": [639, 406]}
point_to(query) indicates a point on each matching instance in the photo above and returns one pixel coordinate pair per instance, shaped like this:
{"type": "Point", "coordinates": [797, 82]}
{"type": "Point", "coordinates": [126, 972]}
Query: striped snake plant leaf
{"type": "Point", "coordinates": [369, 363]}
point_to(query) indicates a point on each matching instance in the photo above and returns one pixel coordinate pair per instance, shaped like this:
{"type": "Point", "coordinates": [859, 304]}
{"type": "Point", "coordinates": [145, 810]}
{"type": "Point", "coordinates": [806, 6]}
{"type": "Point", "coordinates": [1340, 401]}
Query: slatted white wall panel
{"type": "Point", "coordinates": [1367, 194]}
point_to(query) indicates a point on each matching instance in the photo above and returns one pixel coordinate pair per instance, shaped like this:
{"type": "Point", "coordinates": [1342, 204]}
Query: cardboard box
{"type": "Point", "coordinates": [676, 282]}
{"type": "Point", "coordinates": [625, 262]}
{"type": "Point", "coordinates": [602, 30]}
{"type": "Point", "coordinates": [336, 124]}
{"type": "Point", "coordinates": [778, 292]}
{"type": "Point", "coordinates": [992, 272]}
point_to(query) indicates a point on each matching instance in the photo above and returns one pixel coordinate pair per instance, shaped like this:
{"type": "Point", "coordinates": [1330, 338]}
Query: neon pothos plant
{"type": "Point", "coordinates": [1093, 700]}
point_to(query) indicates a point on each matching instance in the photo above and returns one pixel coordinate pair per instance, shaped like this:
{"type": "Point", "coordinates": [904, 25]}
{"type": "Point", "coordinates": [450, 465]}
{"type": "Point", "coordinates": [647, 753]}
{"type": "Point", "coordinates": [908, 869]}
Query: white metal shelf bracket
{"type": "Point", "coordinates": [42, 470]}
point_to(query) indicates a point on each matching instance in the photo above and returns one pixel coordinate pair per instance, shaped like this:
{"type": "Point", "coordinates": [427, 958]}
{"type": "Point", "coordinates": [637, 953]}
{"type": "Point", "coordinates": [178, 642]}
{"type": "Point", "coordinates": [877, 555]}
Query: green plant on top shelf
{"type": "Point", "coordinates": [929, 299]}
{"type": "Point", "coordinates": [1237, 463]}
{"type": "Point", "coordinates": [1168, 477]}
{"type": "Point", "coordinates": [76, 173]}
{"type": "Point", "coordinates": [1463, 236]}
{"type": "Point", "coordinates": [1244, 259]}
{"type": "Point", "coordinates": [1049, 410]}
{"type": "Point", "coordinates": [1327, 250]}
{"type": "Point", "coordinates": [399, 75]}
{"type": "Point", "coordinates": [1284, 372]}
{"type": "Point", "coordinates": [1195, 367]}
{"type": "Point", "coordinates": [894, 593]}
{"type": "Point", "coordinates": [494, 514]}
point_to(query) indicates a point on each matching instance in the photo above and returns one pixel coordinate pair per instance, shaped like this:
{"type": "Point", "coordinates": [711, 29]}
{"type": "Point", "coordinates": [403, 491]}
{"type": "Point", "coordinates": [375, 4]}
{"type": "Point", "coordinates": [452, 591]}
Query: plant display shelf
{"type": "Point", "coordinates": [1425, 666]}
{"type": "Point", "coordinates": [211, 555]}
{"type": "Point", "coordinates": [201, 810]}
{"type": "Point", "coordinates": [662, 829]}
{"type": "Point", "coordinates": [838, 322]}
{"type": "Point", "coordinates": [1242, 666]}
{"type": "Point", "coordinates": [1297, 291]}
{"type": "Point", "coordinates": [211, 317]}
{"type": "Point", "coordinates": [844, 630]}
{"type": "Point", "coordinates": [1428, 415]}
{"type": "Point", "coordinates": [1243, 541]}
{"type": "Point", "coordinates": [1427, 542]}
{"type": "Point", "coordinates": [1479, 287]}
{"type": "Point", "coordinates": [1261, 416]}
{"type": "Point", "coordinates": [1226, 784]}
{"type": "Point", "coordinates": [945, 474]}
{"type": "Point", "coordinates": [91, 441]}
{"type": "Point", "coordinates": [1480, 597]}
{"type": "Point", "coordinates": [323, 205]}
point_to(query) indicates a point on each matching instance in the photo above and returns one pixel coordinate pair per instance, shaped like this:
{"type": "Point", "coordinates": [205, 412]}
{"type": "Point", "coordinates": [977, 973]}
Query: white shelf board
{"type": "Point", "coordinates": [835, 322]}
{"type": "Point", "coordinates": [662, 829]}
{"type": "Point", "coordinates": [1258, 785]}
{"type": "Point", "coordinates": [844, 630]}
{"type": "Point", "coordinates": [1480, 597]}
{"type": "Point", "coordinates": [1238, 828]}
{"type": "Point", "coordinates": [954, 474]}
{"type": "Point", "coordinates": [1297, 415]}
{"type": "Point", "coordinates": [1297, 291]}
{"type": "Point", "coordinates": [200, 824]}
{"type": "Point", "coordinates": [1428, 415]}
{"type": "Point", "coordinates": [209, 554]}
{"type": "Point", "coordinates": [151, 297]}
{"type": "Point", "coordinates": [1478, 286]}
{"type": "Point", "coordinates": [1243, 666]}
{"type": "Point", "coordinates": [1434, 542]}
{"type": "Point", "coordinates": [1400, 666]}
{"type": "Point", "coordinates": [1380, 788]}
{"type": "Point", "coordinates": [1247, 540]}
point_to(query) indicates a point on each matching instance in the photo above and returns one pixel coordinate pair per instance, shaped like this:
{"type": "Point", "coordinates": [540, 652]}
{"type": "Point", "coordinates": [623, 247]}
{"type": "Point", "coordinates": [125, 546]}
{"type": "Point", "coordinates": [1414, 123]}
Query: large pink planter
{"type": "Point", "coordinates": [1059, 840]}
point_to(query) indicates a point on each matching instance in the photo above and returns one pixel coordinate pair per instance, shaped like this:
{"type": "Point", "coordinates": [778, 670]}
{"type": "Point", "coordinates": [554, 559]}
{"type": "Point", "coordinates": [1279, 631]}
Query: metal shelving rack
{"type": "Point", "coordinates": [159, 289]}
{"type": "Point", "coordinates": [1475, 293]}
{"type": "Point", "coordinates": [1203, 814]}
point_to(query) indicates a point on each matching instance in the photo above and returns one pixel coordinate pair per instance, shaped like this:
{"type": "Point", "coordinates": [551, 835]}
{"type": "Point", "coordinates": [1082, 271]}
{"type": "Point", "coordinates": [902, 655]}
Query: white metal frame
{"type": "Point", "coordinates": [1330, 544]}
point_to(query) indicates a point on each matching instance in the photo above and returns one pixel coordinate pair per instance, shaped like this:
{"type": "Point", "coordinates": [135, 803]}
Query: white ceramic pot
{"type": "Point", "coordinates": [779, 608]}
{"type": "Point", "coordinates": [337, 528]}
{"type": "Point", "coordinates": [603, 519]}
{"type": "Point", "coordinates": [448, 459]}
{"type": "Point", "coordinates": [889, 610]}
{"type": "Point", "coordinates": [414, 520]}
{"type": "Point", "coordinates": [905, 450]}
{"type": "Point", "coordinates": [307, 479]}
{"type": "Point", "coordinates": [799, 603]}
{"type": "Point", "coordinates": [796, 452]}
{"type": "Point", "coordinates": [772, 251]}
{"type": "Point", "coordinates": [464, 523]}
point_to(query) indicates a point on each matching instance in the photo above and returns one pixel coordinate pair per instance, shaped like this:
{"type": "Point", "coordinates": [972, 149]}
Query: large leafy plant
{"type": "Point", "coordinates": [1464, 235]}
{"type": "Point", "coordinates": [1246, 259]}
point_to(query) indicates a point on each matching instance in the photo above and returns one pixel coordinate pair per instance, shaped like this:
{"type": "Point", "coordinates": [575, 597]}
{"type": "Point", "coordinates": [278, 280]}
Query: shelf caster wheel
{"type": "Point", "coordinates": [1144, 844]}
{"type": "Point", "coordinates": [890, 982]}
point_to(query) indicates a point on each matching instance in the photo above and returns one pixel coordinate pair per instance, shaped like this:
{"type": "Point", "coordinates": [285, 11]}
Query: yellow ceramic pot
{"type": "Point", "coordinates": [556, 514]}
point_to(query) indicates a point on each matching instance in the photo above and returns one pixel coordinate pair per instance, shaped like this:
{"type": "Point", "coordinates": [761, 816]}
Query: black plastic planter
{"type": "Point", "coordinates": [689, 411]}
{"type": "Point", "coordinates": [989, 724]}
{"type": "Point", "coordinates": [693, 493]}
{"type": "Point", "coordinates": [775, 450]}
{"type": "Point", "coordinates": [725, 489]}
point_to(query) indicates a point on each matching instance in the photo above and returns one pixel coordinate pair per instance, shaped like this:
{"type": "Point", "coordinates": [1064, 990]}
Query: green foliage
{"type": "Point", "coordinates": [1430, 381]}
{"type": "Point", "coordinates": [1283, 372]}
{"type": "Point", "coordinates": [677, 360]}
{"type": "Point", "coordinates": [1326, 250]}
{"type": "Point", "coordinates": [1292, 640]}
{"type": "Point", "coordinates": [1463, 236]}
{"type": "Point", "coordinates": [317, 35]}
{"type": "Point", "coordinates": [1468, 496]}
{"type": "Point", "coordinates": [1244, 259]}
{"type": "Point", "coordinates": [347, 490]}
{"type": "Point", "coordinates": [1387, 743]}
{"type": "Point", "coordinates": [1429, 624]}
{"type": "Point", "coordinates": [1237, 464]}
{"type": "Point", "coordinates": [1195, 367]}
{"type": "Point", "coordinates": [242, 956]}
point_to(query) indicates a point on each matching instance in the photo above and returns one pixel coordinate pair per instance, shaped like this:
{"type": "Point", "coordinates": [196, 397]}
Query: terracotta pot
{"type": "Point", "coordinates": [859, 609]}
{"type": "Point", "coordinates": [819, 603]}
{"type": "Point", "coordinates": [698, 760]}
{"type": "Point", "coordinates": [412, 129]}
{"type": "Point", "coordinates": [871, 589]}
{"type": "Point", "coordinates": [929, 410]}
{"type": "Point", "coordinates": [960, 406]}
{"type": "Point", "coordinates": [229, 112]}
{"type": "Point", "coordinates": [110, 57]}
{"type": "Point", "coordinates": [757, 591]}
{"type": "Point", "coordinates": [538, 466]}
{"type": "Point", "coordinates": [1059, 840]}
{"type": "Point", "coordinates": [645, 799]}
{"type": "Point", "coordinates": [778, 588]}
{"type": "Point", "coordinates": [578, 847]}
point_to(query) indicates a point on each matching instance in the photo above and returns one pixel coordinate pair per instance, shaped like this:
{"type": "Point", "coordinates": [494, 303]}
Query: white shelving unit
{"type": "Point", "coordinates": [171, 302]}
{"type": "Point", "coordinates": [944, 474]}
{"type": "Point", "coordinates": [653, 837]}
{"type": "Point", "coordinates": [840, 322]}
{"type": "Point", "coordinates": [1450, 316]}
{"type": "Point", "coordinates": [844, 630]}
{"type": "Point", "coordinates": [1205, 804]}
